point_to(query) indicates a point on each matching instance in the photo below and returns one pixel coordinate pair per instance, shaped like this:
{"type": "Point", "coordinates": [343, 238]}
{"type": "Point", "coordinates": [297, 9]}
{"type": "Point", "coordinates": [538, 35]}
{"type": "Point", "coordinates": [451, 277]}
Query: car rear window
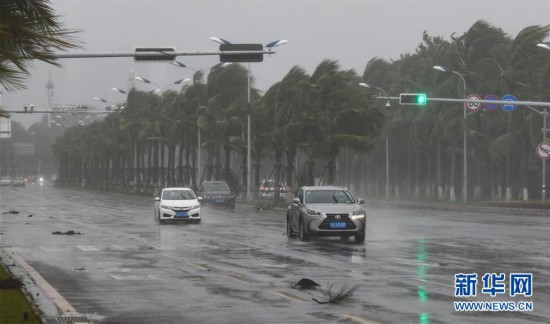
{"type": "Point", "coordinates": [328, 197]}
{"type": "Point", "coordinates": [216, 186]}
{"type": "Point", "coordinates": [178, 195]}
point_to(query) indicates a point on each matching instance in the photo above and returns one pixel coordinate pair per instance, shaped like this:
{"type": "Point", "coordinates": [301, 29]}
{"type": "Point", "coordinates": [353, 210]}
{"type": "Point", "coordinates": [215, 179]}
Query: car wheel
{"type": "Point", "coordinates": [289, 233]}
{"type": "Point", "coordinates": [360, 238]}
{"type": "Point", "coordinates": [303, 234]}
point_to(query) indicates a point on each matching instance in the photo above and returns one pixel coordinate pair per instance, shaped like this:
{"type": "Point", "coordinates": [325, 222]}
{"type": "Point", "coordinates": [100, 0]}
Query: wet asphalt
{"type": "Point", "coordinates": [238, 266]}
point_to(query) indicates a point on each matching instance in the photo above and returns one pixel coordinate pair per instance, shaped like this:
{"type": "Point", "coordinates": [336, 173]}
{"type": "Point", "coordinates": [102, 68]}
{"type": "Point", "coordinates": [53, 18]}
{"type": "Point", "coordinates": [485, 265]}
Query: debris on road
{"type": "Point", "coordinates": [69, 232]}
{"type": "Point", "coordinates": [305, 284]}
{"type": "Point", "coordinates": [336, 298]}
{"type": "Point", "coordinates": [11, 212]}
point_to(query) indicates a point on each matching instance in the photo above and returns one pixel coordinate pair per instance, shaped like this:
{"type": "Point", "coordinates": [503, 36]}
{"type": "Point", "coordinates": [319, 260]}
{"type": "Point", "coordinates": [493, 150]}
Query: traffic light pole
{"type": "Point", "coordinates": [155, 55]}
{"type": "Point", "coordinates": [499, 102]}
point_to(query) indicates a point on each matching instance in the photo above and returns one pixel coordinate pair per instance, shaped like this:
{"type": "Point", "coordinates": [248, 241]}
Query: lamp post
{"type": "Point", "coordinates": [388, 105]}
{"type": "Point", "coordinates": [465, 173]}
{"type": "Point", "coordinates": [269, 46]}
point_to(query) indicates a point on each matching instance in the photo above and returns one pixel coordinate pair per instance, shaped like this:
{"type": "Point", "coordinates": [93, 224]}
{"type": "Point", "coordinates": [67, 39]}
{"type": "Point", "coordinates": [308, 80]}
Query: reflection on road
{"type": "Point", "coordinates": [132, 270]}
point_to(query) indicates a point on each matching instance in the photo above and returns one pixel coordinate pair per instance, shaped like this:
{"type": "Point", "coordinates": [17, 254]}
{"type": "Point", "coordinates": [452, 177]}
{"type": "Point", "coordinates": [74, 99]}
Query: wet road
{"type": "Point", "coordinates": [238, 266]}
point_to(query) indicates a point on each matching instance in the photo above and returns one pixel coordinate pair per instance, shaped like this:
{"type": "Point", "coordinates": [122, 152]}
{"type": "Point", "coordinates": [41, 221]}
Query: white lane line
{"type": "Point", "coordinates": [432, 282]}
{"type": "Point", "coordinates": [197, 266]}
{"type": "Point", "coordinates": [62, 304]}
{"type": "Point", "coordinates": [347, 317]}
{"type": "Point", "coordinates": [241, 280]}
{"type": "Point", "coordinates": [292, 297]}
{"type": "Point", "coordinates": [87, 248]}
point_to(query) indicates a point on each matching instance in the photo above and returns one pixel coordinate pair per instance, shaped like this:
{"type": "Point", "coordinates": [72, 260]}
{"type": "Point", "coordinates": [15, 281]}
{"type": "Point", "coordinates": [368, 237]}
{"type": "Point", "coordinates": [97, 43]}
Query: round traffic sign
{"type": "Point", "coordinates": [507, 107]}
{"type": "Point", "coordinates": [543, 150]}
{"type": "Point", "coordinates": [490, 106]}
{"type": "Point", "coordinates": [473, 106]}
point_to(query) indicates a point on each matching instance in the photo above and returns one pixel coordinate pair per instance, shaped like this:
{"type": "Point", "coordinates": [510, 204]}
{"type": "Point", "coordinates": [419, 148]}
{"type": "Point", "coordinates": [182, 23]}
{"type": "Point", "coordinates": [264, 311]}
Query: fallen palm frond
{"type": "Point", "coordinates": [332, 297]}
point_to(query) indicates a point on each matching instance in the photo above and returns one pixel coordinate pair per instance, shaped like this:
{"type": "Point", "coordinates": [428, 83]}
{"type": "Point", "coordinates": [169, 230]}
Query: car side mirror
{"type": "Point", "coordinates": [360, 201]}
{"type": "Point", "coordinates": [199, 198]}
{"type": "Point", "coordinates": [296, 201]}
{"type": "Point", "coordinates": [157, 198]}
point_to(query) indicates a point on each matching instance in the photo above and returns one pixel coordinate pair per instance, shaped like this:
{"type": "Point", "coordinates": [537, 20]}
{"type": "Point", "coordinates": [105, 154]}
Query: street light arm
{"type": "Point", "coordinates": [220, 40]}
{"type": "Point", "coordinates": [370, 86]}
{"type": "Point", "coordinates": [118, 90]}
{"type": "Point", "coordinates": [544, 45]}
{"type": "Point", "coordinates": [181, 65]}
{"type": "Point", "coordinates": [276, 43]}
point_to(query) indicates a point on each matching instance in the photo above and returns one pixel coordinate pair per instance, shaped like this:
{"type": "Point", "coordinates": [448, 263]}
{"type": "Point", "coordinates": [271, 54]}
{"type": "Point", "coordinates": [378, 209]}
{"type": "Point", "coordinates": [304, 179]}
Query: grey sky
{"type": "Point", "coordinates": [352, 32]}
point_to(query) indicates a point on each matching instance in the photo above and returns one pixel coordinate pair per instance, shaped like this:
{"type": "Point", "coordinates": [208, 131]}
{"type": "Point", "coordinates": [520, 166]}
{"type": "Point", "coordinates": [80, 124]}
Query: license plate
{"type": "Point", "coordinates": [219, 200]}
{"type": "Point", "coordinates": [181, 214]}
{"type": "Point", "coordinates": [337, 224]}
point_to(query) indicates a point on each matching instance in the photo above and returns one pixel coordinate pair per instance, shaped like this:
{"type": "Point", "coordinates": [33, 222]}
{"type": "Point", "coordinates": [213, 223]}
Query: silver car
{"type": "Point", "coordinates": [177, 204]}
{"type": "Point", "coordinates": [325, 211]}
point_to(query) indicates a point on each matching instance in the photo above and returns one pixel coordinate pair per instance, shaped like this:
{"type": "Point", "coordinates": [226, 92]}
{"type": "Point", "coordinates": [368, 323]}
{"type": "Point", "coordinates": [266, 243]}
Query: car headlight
{"type": "Point", "coordinates": [165, 207]}
{"type": "Point", "coordinates": [312, 212]}
{"type": "Point", "coordinates": [196, 206]}
{"type": "Point", "coordinates": [359, 212]}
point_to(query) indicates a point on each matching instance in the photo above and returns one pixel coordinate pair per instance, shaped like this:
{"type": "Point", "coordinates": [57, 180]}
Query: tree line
{"type": "Point", "coordinates": [324, 128]}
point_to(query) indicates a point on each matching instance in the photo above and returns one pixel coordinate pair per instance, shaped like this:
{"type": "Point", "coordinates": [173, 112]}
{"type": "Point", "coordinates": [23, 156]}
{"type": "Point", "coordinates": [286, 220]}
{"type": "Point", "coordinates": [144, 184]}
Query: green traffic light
{"type": "Point", "coordinates": [421, 99]}
{"type": "Point", "coordinates": [418, 99]}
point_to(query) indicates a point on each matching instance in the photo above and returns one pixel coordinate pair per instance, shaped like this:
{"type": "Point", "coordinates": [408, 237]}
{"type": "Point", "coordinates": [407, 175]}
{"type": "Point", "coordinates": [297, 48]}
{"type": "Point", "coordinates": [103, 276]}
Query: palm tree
{"type": "Point", "coordinates": [28, 30]}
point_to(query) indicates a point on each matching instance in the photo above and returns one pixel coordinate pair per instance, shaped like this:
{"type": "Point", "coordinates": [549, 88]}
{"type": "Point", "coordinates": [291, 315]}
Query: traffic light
{"type": "Point", "coordinates": [240, 57]}
{"type": "Point", "coordinates": [418, 99]}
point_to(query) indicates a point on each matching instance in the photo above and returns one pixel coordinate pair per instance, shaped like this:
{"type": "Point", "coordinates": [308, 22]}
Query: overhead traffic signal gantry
{"type": "Point", "coordinates": [418, 99]}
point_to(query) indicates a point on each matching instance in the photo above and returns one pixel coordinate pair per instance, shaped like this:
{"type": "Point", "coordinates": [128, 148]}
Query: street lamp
{"type": "Point", "coordinates": [144, 80]}
{"type": "Point", "coordinates": [465, 173]}
{"type": "Point", "coordinates": [544, 45]}
{"type": "Point", "coordinates": [118, 90]}
{"type": "Point", "coordinates": [388, 105]}
{"type": "Point", "coordinates": [269, 46]}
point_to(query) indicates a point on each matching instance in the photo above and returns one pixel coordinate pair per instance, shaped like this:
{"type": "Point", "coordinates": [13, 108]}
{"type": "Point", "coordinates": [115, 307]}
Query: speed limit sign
{"type": "Point", "coordinates": [473, 106]}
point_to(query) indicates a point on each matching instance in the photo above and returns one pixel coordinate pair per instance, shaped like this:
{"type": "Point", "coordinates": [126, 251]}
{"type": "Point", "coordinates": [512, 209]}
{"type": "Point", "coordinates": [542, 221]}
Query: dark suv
{"type": "Point", "coordinates": [217, 193]}
{"type": "Point", "coordinates": [325, 211]}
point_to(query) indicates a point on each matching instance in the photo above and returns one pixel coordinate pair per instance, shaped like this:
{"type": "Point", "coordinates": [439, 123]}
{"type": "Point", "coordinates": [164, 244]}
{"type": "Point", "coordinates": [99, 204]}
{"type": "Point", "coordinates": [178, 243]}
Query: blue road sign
{"type": "Point", "coordinates": [490, 107]}
{"type": "Point", "coordinates": [507, 107]}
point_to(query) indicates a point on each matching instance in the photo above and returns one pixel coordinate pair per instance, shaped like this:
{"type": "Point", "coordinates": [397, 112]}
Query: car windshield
{"type": "Point", "coordinates": [178, 195]}
{"type": "Point", "coordinates": [328, 197]}
{"type": "Point", "coordinates": [216, 186]}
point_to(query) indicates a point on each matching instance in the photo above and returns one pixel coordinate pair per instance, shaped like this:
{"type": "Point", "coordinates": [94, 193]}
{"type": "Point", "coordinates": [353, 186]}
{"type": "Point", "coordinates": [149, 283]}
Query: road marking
{"type": "Point", "coordinates": [432, 282]}
{"type": "Point", "coordinates": [197, 266]}
{"type": "Point", "coordinates": [347, 317]}
{"type": "Point", "coordinates": [62, 304]}
{"type": "Point", "coordinates": [272, 265]}
{"type": "Point", "coordinates": [292, 297]}
{"type": "Point", "coordinates": [87, 248]}
{"type": "Point", "coordinates": [118, 248]}
{"type": "Point", "coordinates": [239, 279]}
{"type": "Point", "coordinates": [135, 277]}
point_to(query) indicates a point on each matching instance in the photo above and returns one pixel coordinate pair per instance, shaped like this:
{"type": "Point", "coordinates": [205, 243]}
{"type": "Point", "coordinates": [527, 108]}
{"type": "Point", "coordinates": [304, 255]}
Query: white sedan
{"type": "Point", "coordinates": [177, 204]}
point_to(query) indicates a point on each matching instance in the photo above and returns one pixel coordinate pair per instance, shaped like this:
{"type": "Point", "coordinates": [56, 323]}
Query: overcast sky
{"type": "Point", "coordinates": [352, 32]}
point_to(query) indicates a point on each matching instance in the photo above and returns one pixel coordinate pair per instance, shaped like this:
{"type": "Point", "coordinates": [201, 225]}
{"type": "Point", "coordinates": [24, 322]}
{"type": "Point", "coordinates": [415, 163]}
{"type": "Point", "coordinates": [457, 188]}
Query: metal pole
{"type": "Point", "coordinates": [198, 154]}
{"type": "Point", "coordinates": [545, 113]}
{"type": "Point", "coordinates": [387, 168]}
{"type": "Point", "coordinates": [465, 153]}
{"type": "Point", "coordinates": [248, 198]}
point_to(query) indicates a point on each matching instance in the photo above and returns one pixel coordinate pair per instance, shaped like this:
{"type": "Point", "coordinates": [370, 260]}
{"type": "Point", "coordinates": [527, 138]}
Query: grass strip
{"type": "Point", "coordinates": [14, 307]}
